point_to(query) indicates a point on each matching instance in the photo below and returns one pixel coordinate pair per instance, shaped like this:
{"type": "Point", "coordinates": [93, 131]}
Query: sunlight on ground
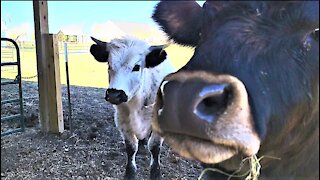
{"type": "Point", "coordinates": [84, 70]}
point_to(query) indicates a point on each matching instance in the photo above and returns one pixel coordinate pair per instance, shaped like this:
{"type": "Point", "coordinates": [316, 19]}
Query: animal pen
{"type": "Point", "coordinates": [48, 73]}
{"type": "Point", "coordinates": [18, 99]}
{"type": "Point", "coordinates": [93, 149]}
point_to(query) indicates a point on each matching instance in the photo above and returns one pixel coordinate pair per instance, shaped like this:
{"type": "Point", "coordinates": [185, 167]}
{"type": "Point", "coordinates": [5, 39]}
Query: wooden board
{"type": "Point", "coordinates": [49, 86]}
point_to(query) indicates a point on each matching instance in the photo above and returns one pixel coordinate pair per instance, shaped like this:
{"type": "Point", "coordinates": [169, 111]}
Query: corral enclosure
{"type": "Point", "coordinates": [82, 65]}
{"type": "Point", "coordinates": [93, 150]}
{"type": "Point", "coordinates": [84, 70]}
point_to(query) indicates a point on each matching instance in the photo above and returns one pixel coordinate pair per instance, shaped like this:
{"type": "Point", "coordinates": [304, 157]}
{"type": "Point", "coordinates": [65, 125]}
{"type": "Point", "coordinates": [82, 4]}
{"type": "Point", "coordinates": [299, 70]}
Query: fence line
{"type": "Point", "coordinates": [28, 57]}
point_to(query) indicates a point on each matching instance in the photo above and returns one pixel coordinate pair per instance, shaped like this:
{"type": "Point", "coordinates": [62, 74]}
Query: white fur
{"type": "Point", "coordinates": [133, 118]}
{"type": "Point", "coordinates": [140, 86]}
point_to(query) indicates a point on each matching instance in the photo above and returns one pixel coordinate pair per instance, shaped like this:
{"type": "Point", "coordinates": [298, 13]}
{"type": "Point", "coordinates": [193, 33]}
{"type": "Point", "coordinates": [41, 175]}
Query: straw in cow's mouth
{"type": "Point", "coordinates": [252, 174]}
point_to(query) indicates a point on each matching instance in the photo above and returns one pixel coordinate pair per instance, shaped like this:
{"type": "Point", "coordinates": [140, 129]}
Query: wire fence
{"type": "Point", "coordinates": [28, 58]}
{"type": "Point", "coordinates": [67, 53]}
{"type": "Point", "coordinates": [84, 69]}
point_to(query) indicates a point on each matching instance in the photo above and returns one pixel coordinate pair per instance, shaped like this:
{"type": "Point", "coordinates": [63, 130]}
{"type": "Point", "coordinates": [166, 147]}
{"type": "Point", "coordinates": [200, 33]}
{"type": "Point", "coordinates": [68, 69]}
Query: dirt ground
{"type": "Point", "coordinates": [92, 150]}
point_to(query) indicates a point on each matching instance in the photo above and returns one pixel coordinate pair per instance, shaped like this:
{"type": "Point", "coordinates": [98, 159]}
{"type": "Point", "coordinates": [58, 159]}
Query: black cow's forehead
{"type": "Point", "coordinates": [271, 47]}
{"type": "Point", "coordinates": [265, 54]}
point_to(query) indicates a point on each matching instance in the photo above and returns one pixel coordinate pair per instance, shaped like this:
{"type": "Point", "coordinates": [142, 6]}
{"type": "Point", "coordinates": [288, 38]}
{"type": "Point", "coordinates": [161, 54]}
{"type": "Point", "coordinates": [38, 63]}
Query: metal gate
{"type": "Point", "coordinates": [15, 117]}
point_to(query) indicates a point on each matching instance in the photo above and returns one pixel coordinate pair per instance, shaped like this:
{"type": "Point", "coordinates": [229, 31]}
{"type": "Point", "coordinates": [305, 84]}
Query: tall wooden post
{"type": "Point", "coordinates": [49, 86]}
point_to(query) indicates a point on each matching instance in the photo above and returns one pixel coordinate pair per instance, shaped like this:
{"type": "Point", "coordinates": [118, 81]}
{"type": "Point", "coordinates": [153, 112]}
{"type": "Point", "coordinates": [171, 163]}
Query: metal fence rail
{"type": "Point", "coordinates": [17, 80]}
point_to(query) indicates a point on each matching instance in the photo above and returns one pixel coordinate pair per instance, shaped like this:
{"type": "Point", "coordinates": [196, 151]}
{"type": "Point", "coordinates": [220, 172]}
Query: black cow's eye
{"type": "Point", "coordinates": [136, 68]}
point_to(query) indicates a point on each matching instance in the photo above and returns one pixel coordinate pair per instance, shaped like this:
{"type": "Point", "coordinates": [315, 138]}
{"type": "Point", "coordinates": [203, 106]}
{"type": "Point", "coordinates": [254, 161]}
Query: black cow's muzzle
{"type": "Point", "coordinates": [205, 116]}
{"type": "Point", "coordinates": [115, 96]}
{"type": "Point", "coordinates": [196, 104]}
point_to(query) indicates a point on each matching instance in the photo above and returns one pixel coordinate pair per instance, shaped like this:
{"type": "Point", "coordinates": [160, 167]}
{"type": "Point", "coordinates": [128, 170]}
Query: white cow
{"type": "Point", "coordinates": [136, 70]}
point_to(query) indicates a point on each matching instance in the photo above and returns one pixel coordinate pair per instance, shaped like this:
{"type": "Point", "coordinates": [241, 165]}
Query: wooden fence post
{"type": "Point", "coordinates": [49, 85]}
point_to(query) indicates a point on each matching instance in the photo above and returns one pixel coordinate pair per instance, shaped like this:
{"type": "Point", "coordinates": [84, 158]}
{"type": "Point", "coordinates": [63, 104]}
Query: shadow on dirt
{"type": "Point", "coordinates": [93, 150]}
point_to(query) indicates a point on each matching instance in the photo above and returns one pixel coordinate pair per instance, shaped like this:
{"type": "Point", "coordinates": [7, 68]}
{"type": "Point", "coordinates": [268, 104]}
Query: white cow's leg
{"type": "Point", "coordinates": [131, 143]}
{"type": "Point", "coordinates": [130, 140]}
{"type": "Point", "coordinates": [154, 146]}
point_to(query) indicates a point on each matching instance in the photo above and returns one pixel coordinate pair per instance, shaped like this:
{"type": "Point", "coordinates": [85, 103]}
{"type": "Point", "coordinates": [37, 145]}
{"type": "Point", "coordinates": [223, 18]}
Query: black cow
{"type": "Point", "coordinates": [251, 87]}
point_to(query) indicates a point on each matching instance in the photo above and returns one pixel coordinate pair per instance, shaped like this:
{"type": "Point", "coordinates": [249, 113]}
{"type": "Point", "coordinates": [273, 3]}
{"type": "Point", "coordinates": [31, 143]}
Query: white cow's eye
{"type": "Point", "coordinates": [136, 68]}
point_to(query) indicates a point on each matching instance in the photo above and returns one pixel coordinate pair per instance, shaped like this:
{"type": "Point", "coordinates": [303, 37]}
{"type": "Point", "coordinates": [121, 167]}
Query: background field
{"type": "Point", "coordinates": [84, 70]}
{"type": "Point", "coordinates": [94, 148]}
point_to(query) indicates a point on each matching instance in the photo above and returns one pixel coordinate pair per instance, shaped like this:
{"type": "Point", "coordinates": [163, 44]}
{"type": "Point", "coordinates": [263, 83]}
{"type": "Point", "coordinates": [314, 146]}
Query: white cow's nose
{"type": "Point", "coordinates": [115, 96]}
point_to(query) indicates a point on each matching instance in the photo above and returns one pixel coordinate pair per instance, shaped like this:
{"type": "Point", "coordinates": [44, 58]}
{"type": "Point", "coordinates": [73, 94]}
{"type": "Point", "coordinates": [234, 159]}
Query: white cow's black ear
{"type": "Point", "coordinates": [99, 50]}
{"type": "Point", "coordinates": [156, 56]}
{"type": "Point", "coordinates": [181, 20]}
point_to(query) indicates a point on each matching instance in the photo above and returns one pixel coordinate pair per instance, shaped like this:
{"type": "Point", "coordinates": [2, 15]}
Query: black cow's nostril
{"type": "Point", "coordinates": [190, 106]}
{"type": "Point", "coordinates": [213, 101]}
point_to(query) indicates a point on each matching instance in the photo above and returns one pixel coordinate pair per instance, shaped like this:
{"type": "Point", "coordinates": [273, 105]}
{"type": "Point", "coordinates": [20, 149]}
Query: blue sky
{"type": "Point", "coordinates": [78, 15]}
{"type": "Point", "coordinates": [66, 13]}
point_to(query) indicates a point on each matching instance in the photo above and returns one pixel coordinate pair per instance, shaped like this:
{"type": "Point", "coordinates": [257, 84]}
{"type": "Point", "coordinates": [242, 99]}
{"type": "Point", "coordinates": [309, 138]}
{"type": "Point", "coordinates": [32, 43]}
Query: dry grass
{"type": "Point", "coordinates": [93, 150]}
{"type": "Point", "coordinates": [84, 70]}
{"type": "Point", "coordinates": [252, 174]}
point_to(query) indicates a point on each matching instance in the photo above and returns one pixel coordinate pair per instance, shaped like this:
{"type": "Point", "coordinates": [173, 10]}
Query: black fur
{"type": "Point", "coordinates": [315, 35]}
{"type": "Point", "coordinates": [242, 51]}
{"type": "Point", "coordinates": [130, 173]}
{"type": "Point", "coordinates": [99, 53]}
{"type": "Point", "coordinates": [175, 16]}
{"type": "Point", "coordinates": [264, 45]}
{"type": "Point", "coordinates": [155, 173]}
{"type": "Point", "coordinates": [155, 57]}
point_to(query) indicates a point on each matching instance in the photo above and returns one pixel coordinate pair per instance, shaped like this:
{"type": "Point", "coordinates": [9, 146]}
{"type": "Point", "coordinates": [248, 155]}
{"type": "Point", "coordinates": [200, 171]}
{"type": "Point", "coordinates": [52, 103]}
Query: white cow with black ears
{"type": "Point", "coordinates": [136, 70]}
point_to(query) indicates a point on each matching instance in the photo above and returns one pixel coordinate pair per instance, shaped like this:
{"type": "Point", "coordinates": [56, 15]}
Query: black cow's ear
{"type": "Point", "coordinates": [99, 50]}
{"type": "Point", "coordinates": [181, 20]}
{"type": "Point", "coordinates": [155, 57]}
